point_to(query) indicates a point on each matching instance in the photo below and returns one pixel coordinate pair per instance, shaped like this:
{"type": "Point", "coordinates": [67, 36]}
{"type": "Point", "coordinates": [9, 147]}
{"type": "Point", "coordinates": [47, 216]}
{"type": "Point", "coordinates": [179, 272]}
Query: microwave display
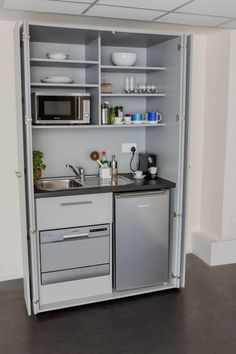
{"type": "Point", "coordinates": [56, 108]}
{"type": "Point", "coordinates": [61, 108]}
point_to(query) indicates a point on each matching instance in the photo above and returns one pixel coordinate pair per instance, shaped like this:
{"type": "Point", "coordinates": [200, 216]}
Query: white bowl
{"type": "Point", "coordinates": [57, 56]}
{"type": "Point", "coordinates": [123, 59]}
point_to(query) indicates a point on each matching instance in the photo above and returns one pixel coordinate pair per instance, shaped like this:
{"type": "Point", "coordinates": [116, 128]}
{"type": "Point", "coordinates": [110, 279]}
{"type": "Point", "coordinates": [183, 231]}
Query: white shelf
{"type": "Point", "coordinates": [42, 84]}
{"type": "Point", "coordinates": [133, 94]}
{"type": "Point", "coordinates": [62, 63]}
{"type": "Point", "coordinates": [91, 126]}
{"type": "Point", "coordinates": [141, 69]}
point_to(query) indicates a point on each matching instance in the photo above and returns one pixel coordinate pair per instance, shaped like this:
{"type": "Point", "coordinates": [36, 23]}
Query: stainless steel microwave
{"type": "Point", "coordinates": [60, 108]}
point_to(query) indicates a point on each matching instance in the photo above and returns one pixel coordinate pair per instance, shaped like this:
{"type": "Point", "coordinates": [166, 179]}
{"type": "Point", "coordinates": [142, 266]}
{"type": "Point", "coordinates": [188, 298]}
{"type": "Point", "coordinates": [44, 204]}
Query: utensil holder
{"type": "Point", "coordinates": [105, 172]}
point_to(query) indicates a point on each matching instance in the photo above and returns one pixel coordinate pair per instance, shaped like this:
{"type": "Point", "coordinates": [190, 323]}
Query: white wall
{"type": "Point", "coordinates": [74, 147]}
{"type": "Point", "coordinates": [196, 131]}
{"type": "Point", "coordinates": [216, 91]}
{"type": "Point", "coordinates": [229, 191]}
{"type": "Point", "coordinates": [10, 238]}
{"type": "Point", "coordinates": [215, 242]}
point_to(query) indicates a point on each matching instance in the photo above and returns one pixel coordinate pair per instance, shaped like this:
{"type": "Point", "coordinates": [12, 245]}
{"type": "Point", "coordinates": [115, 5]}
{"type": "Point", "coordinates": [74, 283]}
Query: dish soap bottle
{"type": "Point", "coordinates": [104, 160]}
{"type": "Point", "coordinates": [114, 166]}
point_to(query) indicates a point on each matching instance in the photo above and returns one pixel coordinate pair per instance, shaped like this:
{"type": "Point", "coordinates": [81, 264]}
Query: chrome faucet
{"type": "Point", "coordinates": [78, 171]}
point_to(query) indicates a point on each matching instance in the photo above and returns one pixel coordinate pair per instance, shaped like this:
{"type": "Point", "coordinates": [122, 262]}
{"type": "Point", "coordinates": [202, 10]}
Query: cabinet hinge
{"type": "Point", "coordinates": [177, 215]}
{"type": "Point", "coordinates": [181, 46]}
{"type": "Point", "coordinates": [25, 36]}
{"type": "Point", "coordinates": [178, 118]}
{"type": "Point", "coordinates": [31, 231]}
{"type": "Point", "coordinates": [35, 302]}
{"type": "Point", "coordinates": [175, 276]}
{"type": "Point", "coordinates": [28, 119]}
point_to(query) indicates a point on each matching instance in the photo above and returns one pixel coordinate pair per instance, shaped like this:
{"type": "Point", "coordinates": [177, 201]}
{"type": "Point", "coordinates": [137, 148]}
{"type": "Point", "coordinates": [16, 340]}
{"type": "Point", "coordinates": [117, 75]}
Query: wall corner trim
{"type": "Point", "coordinates": [213, 252]}
{"type": "Point", "coordinates": [10, 276]}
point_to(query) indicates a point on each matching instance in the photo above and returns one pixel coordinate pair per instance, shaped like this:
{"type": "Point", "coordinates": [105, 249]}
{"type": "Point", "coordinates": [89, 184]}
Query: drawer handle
{"type": "Point", "coordinates": [68, 237]}
{"type": "Point", "coordinates": [77, 203]}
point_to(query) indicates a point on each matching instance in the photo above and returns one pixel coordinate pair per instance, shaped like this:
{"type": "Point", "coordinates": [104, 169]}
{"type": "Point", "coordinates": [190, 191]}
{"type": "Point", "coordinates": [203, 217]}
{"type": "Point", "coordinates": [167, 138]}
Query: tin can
{"type": "Point", "coordinates": [105, 113]}
{"type": "Point", "coordinates": [112, 115]}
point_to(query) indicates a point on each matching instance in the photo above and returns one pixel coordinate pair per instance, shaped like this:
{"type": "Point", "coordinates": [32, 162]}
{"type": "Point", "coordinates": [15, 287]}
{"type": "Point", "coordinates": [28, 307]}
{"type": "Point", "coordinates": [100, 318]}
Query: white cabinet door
{"type": "Point", "coordinates": [169, 143]}
{"type": "Point", "coordinates": [20, 174]}
{"type": "Point", "coordinates": [29, 240]}
{"type": "Point", "coordinates": [72, 211]}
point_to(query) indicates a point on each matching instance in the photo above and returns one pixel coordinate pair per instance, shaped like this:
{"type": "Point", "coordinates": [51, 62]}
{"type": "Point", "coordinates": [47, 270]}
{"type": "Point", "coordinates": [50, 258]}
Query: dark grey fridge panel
{"type": "Point", "coordinates": [141, 239]}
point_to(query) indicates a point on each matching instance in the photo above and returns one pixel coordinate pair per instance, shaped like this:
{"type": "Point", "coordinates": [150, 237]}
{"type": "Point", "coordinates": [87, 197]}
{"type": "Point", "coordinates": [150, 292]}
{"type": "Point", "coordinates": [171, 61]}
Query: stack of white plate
{"type": "Point", "coordinates": [57, 56]}
{"type": "Point", "coordinates": [58, 80]}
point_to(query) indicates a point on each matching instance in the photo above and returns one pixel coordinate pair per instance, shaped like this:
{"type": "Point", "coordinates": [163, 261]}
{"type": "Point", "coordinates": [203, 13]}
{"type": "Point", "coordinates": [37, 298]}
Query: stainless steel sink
{"type": "Point", "coordinates": [57, 184]}
{"type": "Point", "coordinates": [93, 181]}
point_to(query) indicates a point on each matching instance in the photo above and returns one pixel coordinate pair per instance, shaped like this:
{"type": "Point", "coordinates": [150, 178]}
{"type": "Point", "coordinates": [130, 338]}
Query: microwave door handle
{"type": "Point", "coordinates": [78, 107]}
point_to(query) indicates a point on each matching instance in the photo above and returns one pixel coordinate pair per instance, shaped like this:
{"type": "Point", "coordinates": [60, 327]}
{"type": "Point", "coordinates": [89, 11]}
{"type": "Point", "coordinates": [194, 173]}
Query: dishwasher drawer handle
{"type": "Point", "coordinates": [69, 237]}
{"type": "Point", "coordinates": [77, 203]}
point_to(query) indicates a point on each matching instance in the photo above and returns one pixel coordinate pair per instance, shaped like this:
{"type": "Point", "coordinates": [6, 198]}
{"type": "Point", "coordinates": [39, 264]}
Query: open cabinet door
{"type": "Point", "coordinates": [20, 172]}
{"type": "Point", "coordinates": [30, 248]}
{"type": "Point", "coordinates": [186, 103]}
{"type": "Point", "coordinates": [168, 142]}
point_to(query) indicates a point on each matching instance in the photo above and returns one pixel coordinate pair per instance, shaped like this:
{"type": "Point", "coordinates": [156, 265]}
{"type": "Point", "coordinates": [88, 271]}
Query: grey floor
{"type": "Point", "coordinates": [198, 319]}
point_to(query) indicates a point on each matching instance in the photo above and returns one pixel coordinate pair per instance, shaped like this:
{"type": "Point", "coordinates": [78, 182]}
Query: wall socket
{"type": "Point", "coordinates": [126, 148]}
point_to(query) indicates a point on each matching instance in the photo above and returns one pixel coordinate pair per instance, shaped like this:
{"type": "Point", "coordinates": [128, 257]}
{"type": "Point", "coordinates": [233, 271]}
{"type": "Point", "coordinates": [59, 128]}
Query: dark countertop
{"type": "Point", "coordinates": [138, 185]}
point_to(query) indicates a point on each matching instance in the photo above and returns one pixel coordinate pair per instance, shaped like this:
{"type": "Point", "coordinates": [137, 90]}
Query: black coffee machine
{"type": "Point", "coordinates": [146, 161]}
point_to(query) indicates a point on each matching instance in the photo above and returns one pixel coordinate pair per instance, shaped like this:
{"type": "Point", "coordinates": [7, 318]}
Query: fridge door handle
{"type": "Point", "coordinates": [130, 195]}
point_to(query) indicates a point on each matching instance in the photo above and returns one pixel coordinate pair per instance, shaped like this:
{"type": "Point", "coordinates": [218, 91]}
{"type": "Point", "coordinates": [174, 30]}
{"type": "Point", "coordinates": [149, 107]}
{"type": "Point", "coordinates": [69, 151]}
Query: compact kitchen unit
{"type": "Point", "coordinates": [91, 227]}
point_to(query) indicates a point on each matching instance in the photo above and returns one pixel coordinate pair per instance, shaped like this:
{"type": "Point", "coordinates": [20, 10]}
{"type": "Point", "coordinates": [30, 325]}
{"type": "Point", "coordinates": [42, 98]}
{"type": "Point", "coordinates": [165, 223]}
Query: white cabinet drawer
{"type": "Point", "coordinates": [70, 211]}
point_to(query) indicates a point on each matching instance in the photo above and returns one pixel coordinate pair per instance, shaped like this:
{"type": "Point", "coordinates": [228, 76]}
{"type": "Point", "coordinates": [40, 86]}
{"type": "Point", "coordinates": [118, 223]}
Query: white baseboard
{"type": "Point", "coordinates": [10, 276]}
{"type": "Point", "coordinates": [213, 252]}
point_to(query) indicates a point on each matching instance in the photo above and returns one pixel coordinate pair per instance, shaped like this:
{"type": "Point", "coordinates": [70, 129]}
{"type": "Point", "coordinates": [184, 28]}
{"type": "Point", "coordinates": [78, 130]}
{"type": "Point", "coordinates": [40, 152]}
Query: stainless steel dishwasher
{"type": "Point", "coordinates": [74, 253]}
{"type": "Point", "coordinates": [141, 239]}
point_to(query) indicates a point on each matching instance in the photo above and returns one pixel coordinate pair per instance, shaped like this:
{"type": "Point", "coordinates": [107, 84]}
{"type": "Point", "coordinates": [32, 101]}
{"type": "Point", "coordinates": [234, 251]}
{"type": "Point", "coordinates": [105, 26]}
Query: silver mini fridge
{"type": "Point", "coordinates": [141, 239]}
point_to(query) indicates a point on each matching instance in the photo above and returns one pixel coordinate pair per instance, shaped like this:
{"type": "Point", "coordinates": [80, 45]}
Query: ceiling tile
{"type": "Point", "coordinates": [46, 6]}
{"type": "Point", "coordinates": [192, 20]}
{"type": "Point", "coordinates": [231, 24]}
{"type": "Point", "coordinates": [123, 13]}
{"type": "Point", "coordinates": [73, 1]}
{"type": "Point", "coordinates": [211, 7]}
{"type": "Point", "coordinates": [147, 4]}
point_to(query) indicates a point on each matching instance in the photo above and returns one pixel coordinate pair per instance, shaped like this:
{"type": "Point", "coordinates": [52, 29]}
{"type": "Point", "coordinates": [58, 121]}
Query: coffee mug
{"type": "Point", "coordinates": [118, 120]}
{"type": "Point", "coordinates": [153, 170]}
{"type": "Point", "coordinates": [138, 174]}
{"type": "Point", "coordinates": [154, 117]}
{"type": "Point", "coordinates": [137, 117]}
{"type": "Point", "coordinates": [127, 118]}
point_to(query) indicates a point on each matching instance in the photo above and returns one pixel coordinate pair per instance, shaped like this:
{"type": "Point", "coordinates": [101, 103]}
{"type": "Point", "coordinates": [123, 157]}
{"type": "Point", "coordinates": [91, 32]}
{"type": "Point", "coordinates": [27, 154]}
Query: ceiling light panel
{"type": "Point", "coordinates": [74, 8]}
{"type": "Point", "coordinates": [147, 4]}
{"type": "Point", "coordinates": [123, 13]}
{"type": "Point", "coordinates": [222, 8]}
{"type": "Point", "coordinates": [192, 20]}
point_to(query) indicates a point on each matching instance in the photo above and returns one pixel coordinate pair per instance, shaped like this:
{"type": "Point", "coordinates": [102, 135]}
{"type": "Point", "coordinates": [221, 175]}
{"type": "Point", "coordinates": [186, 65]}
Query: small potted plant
{"type": "Point", "coordinates": [38, 164]}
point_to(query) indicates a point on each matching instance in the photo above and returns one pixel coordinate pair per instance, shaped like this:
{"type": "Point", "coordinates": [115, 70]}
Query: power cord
{"type": "Point", "coordinates": [133, 150]}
